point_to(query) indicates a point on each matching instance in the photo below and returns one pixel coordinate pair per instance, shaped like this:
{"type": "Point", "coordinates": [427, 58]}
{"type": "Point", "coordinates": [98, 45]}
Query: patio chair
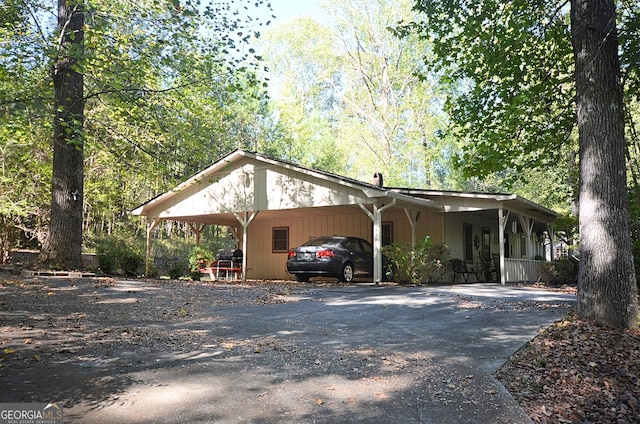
{"type": "Point", "coordinates": [460, 267]}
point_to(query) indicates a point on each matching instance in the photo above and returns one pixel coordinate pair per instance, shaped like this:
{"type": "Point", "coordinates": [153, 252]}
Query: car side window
{"type": "Point", "coordinates": [366, 246]}
{"type": "Point", "coordinates": [351, 245]}
{"type": "Point", "coordinates": [359, 246]}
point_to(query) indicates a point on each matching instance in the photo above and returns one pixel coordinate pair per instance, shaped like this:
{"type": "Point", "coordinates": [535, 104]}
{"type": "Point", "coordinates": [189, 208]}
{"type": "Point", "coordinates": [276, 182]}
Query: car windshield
{"type": "Point", "coordinates": [323, 241]}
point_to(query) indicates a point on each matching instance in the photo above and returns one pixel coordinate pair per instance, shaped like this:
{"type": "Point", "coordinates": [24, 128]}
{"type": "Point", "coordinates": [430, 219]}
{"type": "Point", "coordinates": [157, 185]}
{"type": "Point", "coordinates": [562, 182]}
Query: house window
{"type": "Point", "coordinates": [387, 233]}
{"type": "Point", "coordinates": [280, 239]}
{"type": "Point", "coordinates": [467, 236]}
{"type": "Point", "coordinates": [523, 246]}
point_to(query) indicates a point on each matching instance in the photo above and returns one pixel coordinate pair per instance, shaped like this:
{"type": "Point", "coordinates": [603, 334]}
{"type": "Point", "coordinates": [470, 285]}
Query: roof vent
{"type": "Point", "coordinates": [377, 179]}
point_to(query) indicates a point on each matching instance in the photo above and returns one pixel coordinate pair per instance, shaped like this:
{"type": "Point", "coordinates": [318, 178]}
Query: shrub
{"type": "Point", "coordinates": [130, 260]}
{"type": "Point", "coordinates": [178, 269]}
{"type": "Point", "coordinates": [562, 271]}
{"type": "Point", "coordinates": [200, 258]}
{"type": "Point", "coordinates": [115, 255]}
{"type": "Point", "coordinates": [422, 263]}
{"type": "Point", "coordinates": [106, 255]}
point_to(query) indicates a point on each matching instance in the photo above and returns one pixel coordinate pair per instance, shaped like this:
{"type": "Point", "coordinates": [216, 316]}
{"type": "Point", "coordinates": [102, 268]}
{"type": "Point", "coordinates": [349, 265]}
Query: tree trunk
{"type": "Point", "coordinates": [607, 292]}
{"type": "Point", "coordinates": [63, 248]}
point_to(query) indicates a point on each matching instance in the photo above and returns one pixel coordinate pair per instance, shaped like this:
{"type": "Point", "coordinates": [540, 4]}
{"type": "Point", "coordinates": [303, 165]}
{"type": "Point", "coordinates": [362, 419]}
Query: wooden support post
{"type": "Point", "coordinates": [150, 226]}
{"type": "Point", "coordinates": [244, 220]}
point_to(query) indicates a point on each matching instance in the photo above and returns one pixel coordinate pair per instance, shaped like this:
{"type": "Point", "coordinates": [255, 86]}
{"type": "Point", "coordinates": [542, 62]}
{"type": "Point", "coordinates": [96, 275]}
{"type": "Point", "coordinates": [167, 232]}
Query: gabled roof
{"type": "Point", "coordinates": [217, 182]}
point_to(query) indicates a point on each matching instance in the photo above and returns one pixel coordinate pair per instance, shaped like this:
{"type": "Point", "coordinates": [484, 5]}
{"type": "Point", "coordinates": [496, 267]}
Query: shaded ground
{"type": "Point", "coordinates": [102, 346]}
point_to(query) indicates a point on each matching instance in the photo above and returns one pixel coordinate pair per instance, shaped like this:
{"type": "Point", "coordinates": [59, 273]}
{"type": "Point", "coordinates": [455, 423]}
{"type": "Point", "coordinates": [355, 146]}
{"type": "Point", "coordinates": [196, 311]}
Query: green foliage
{"type": "Point", "coordinates": [350, 96]}
{"type": "Point", "coordinates": [167, 91]}
{"type": "Point", "coordinates": [178, 269]}
{"type": "Point", "coordinates": [200, 258]}
{"type": "Point", "coordinates": [417, 265]}
{"type": "Point", "coordinates": [131, 261]}
{"type": "Point", "coordinates": [634, 225]}
{"type": "Point", "coordinates": [506, 68]}
{"type": "Point", "coordinates": [118, 255]}
{"type": "Point", "coordinates": [561, 272]}
{"type": "Point", "coordinates": [105, 254]}
{"type": "Point", "coordinates": [25, 157]}
{"type": "Point", "coordinates": [509, 68]}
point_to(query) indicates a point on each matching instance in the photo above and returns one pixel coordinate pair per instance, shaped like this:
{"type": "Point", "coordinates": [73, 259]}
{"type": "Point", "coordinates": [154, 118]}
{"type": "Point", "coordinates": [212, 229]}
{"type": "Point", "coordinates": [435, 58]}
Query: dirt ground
{"type": "Point", "coordinates": [48, 323]}
{"type": "Point", "coordinates": [572, 372]}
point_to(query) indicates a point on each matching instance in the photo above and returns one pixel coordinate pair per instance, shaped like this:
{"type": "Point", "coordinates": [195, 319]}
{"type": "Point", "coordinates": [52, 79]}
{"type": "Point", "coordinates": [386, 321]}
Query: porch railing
{"type": "Point", "coordinates": [517, 270]}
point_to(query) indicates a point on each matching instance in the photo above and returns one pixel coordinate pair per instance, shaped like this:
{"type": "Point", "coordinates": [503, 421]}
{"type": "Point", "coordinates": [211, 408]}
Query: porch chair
{"type": "Point", "coordinates": [460, 267]}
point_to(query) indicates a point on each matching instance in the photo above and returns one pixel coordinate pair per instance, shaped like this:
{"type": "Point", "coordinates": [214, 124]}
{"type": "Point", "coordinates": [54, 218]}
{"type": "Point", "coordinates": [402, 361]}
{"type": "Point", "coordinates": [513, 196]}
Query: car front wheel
{"type": "Point", "coordinates": [347, 273]}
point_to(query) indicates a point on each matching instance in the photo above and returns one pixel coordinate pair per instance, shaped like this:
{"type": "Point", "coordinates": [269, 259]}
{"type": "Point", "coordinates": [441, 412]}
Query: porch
{"type": "Point", "coordinates": [503, 237]}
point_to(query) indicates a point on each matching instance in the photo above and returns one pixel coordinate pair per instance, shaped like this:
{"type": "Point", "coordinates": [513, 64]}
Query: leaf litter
{"type": "Point", "coordinates": [577, 372]}
{"type": "Point", "coordinates": [571, 372]}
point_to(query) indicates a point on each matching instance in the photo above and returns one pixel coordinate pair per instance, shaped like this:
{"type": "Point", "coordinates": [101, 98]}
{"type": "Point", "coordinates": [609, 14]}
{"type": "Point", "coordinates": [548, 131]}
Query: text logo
{"type": "Point", "coordinates": [30, 413]}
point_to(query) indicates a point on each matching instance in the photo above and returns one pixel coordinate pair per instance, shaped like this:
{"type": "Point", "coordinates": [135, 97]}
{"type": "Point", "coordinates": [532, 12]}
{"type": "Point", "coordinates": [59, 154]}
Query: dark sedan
{"type": "Point", "coordinates": [344, 258]}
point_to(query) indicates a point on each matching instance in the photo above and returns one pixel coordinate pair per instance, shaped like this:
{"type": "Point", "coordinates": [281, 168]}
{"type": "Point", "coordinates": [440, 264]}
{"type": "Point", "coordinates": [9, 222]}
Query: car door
{"type": "Point", "coordinates": [362, 255]}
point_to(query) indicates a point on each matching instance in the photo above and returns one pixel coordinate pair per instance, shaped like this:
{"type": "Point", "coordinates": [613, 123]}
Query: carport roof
{"type": "Point", "coordinates": [365, 193]}
{"type": "Point", "coordinates": [436, 200]}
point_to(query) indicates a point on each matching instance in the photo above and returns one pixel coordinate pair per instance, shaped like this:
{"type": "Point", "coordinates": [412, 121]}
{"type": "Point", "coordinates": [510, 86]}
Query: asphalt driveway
{"type": "Point", "coordinates": [171, 352]}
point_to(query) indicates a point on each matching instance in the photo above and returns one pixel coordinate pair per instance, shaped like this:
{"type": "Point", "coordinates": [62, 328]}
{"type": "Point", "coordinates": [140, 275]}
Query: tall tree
{"type": "Point", "coordinates": [608, 292]}
{"type": "Point", "coordinates": [358, 87]}
{"type": "Point", "coordinates": [156, 84]}
{"type": "Point", "coordinates": [304, 68]}
{"type": "Point", "coordinates": [25, 129]}
{"type": "Point", "coordinates": [512, 61]}
{"type": "Point", "coordinates": [63, 247]}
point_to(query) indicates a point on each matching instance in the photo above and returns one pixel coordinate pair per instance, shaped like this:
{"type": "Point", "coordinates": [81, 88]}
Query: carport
{"type": "Point", "coordinates": [246, 187]}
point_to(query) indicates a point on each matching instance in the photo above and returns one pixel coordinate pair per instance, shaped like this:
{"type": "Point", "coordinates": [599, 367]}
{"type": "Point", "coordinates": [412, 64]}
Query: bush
{"type": "Point", "coordinates": [106, 257]}
{"type": "Point", "coordinates": [560, 272]}
{"type": "Point", "coordinates": [416, 265]}
{"type": "Point", "coordinates": [115, 255]}
{"type": "Point", "coordinates": [200, 258]}
{"type": "Point", "coordinates": [178, 269]}
{"type": "Point", "coordinates": [130, 261]}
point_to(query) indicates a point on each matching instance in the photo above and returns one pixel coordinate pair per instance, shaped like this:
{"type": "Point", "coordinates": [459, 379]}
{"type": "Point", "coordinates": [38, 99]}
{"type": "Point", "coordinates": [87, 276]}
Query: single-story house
{"type": "Point", "coordinates": [272, 205]}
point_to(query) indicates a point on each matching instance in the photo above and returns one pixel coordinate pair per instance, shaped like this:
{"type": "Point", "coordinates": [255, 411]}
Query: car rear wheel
{"type": "Point", "coordinates": [347, 273]}
{"type": "Point", "coordinates": [303, 278]}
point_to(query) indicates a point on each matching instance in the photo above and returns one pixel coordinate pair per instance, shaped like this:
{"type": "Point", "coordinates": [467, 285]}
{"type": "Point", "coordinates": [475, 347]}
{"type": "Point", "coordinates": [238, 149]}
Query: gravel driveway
{"type": "Point", "coordinates": [141, 351]}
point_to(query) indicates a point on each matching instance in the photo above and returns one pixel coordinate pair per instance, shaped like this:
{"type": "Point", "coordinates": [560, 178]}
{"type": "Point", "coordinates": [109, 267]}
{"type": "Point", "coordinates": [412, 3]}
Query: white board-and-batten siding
{"type": "Point", "coordinates": [252, 188]}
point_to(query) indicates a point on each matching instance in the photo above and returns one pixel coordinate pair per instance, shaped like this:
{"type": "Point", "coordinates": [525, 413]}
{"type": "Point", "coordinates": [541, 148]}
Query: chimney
{"type": "Point", "coordinates": [377, 179]}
